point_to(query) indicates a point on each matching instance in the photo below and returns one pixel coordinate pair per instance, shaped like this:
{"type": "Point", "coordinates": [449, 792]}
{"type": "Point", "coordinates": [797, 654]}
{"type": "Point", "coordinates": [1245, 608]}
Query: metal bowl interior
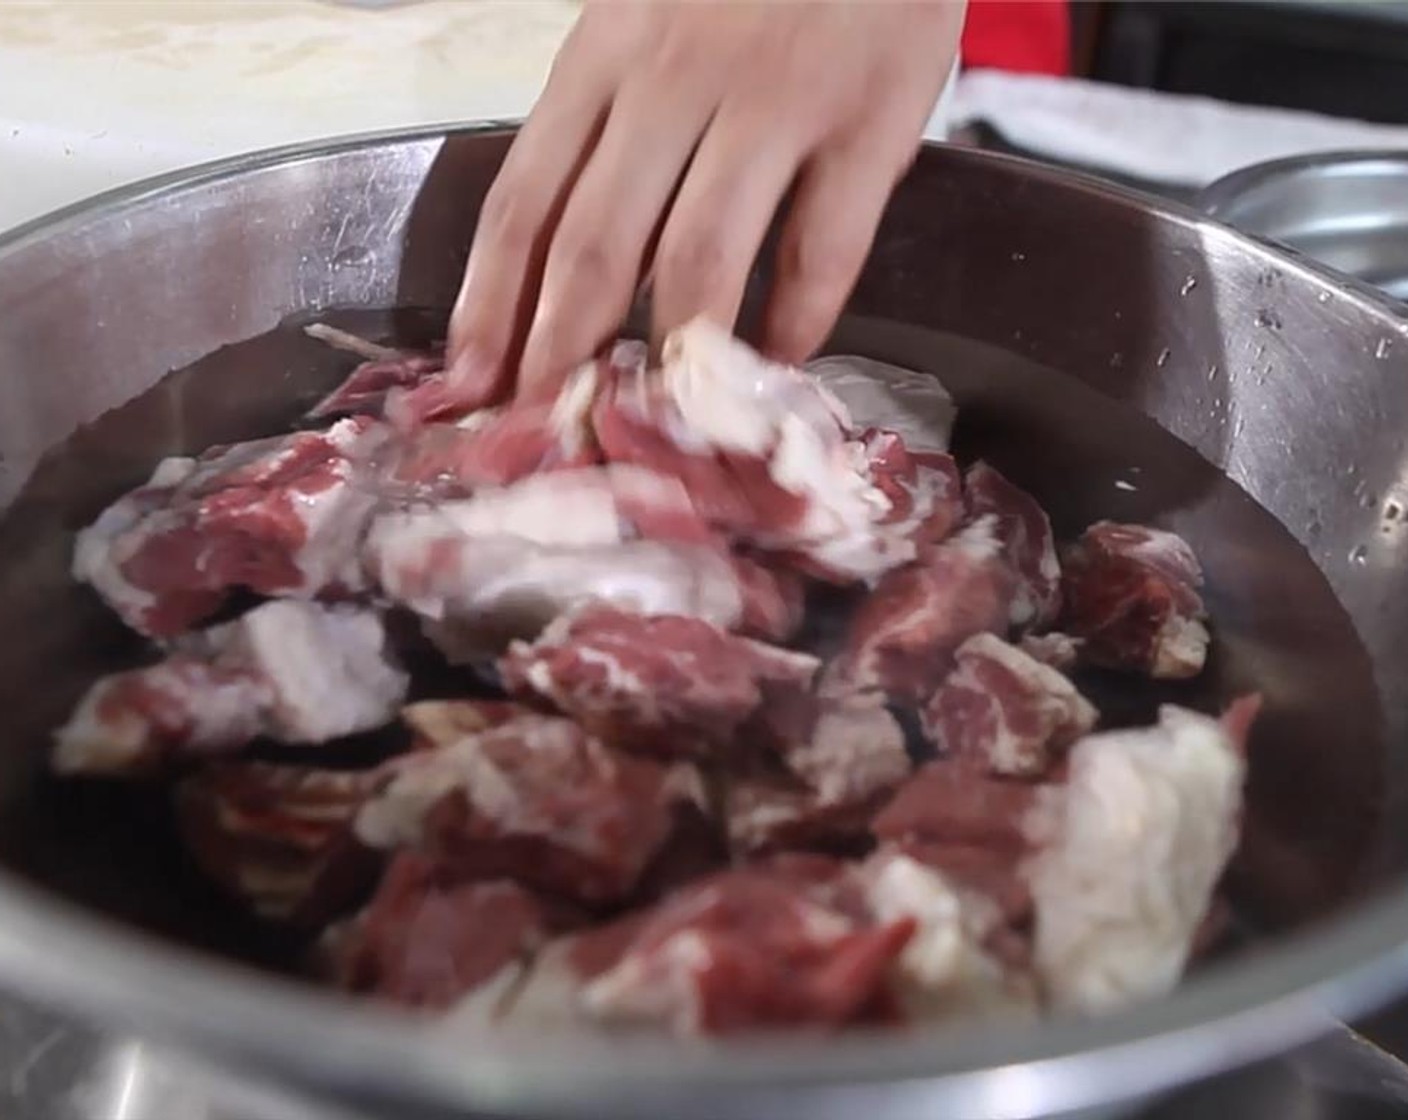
{"type": "Point", "coordinates": [1348, 210]}
{"type": "Point", "coordinates": [1292, 381]}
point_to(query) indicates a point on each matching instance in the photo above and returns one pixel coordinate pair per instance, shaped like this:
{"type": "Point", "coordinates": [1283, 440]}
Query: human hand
{"type": "Point", "coordinates": [664, 142]}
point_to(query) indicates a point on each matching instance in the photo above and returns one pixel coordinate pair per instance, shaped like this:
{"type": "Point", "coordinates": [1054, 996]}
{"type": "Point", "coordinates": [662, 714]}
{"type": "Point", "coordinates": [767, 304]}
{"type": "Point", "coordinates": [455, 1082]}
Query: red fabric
{"type": "Point", "coordinates": [1025, 36]}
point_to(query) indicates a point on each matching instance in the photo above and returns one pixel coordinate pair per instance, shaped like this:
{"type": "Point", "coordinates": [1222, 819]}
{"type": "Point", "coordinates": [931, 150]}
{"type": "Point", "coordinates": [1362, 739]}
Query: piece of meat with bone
{"type": "Point", "coordinates": [281, 516]}
{"type": "Point", "coordinates": [383, 368]}
{"type": "Point", "coordinates": [1129, 851]}
{"type": "Point", "coordinates": [1004, 710]}
{"type": "Point", "coordinates": [1131, 596]}
{"type": "Point", "coordinates": [279, 838]}
{"type": "Point", "coordinates": [1028, 546]}
{"type": "Point", "coordinates": [537, 799]}
{"type": "Point", "coordinates": [663, 684]}
{"type": "Point", "coordinates": [902, 638]}
{"type": "Point", "coordinates": [430, 941]}
{"type": "Point", "coordinates": [749, 948]}
{"type": "Point", "coordinates": [296, 672]}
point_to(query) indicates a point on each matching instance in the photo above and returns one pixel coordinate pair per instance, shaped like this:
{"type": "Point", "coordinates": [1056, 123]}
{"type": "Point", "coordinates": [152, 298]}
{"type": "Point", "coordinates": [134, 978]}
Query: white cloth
{"type": "Point", "coordinates": [1157, 137]}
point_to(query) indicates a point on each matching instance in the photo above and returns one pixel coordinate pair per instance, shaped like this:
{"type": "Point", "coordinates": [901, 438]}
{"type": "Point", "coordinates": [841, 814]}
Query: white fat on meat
{"type": "Point", "coordinates": [109, 733]}
{"type": "Point", "coordinates": [506, 587]}
{"type": "Point", "coordinates": [1129, 851]}
{"type": "Point", "coordinates": [296, 672]}
{"type": "Point", "coordinates": [96, 559]}
{"type": "Point", "coordinates": [856, 749]}
{"type": "Point", "coordinates": [944, 968]}
{"type": "Point", "coordinates": [327, 667]}
{"type": "Point", "coordinates": [736, 401]}
{"type": "Point", "coordinates": [878, 395]}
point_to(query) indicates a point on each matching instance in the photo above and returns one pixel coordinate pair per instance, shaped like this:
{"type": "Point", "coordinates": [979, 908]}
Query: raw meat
{"type": "Point", "coordinates": [383, 369]}
{"type": "Point", "coordinates": [925, 491]}
{"type": "Point", "coordinates": [537, 799]}
{"type": "Point", "coordinates": [281, 516]}
{"type": "Point", "coordinates": [952, 803]}
{"type": "Point", "coordinates": [292, 671]}
{"type": "Point", "coordinates": [428, 941]}
{"type": "Point", "coordinates": [1131, 595]}
{"type": "Point", "coordinates": [902, 637]}
{"type": "Point", "coordinates": [766, 454]}
{"type": "Point", "coordinates": [497, 447]}
{"type": "Point", "coordinates": [664, 684]}
{"type": "Point", "coordinates": [1005, 710]}
{"type": "Point", "coordinates": [743, 949]}
{"type": "Point", "coordinates": [1129, 850]}
{"type": "Point", "coordinates": [953, 962]}
{"type": "Point", "coordinates": [915, 406]}
{"type": "Point", "coordinates": [279, 838]}
{"type": "Point", "coordinates": [773, 599]}
{"type": "Point", "coordinates": [1027, 545]}
{"type": "Point", "coordinates": [1060, 651]}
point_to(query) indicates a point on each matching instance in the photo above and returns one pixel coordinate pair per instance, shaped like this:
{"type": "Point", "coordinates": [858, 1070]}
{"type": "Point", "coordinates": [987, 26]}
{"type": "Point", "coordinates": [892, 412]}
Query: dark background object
{"type": "Point", "coordinates": [1344, 59]}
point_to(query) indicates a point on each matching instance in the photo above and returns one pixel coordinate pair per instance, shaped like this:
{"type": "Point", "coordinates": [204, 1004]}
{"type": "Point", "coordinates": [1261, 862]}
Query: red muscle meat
{"type": "Point", "coordinates": [1027, 544]}
{"type": "Point", "coordinates": [950, 802]}
{"type": "Point", "coordinates": [743, 949]}
{"type": "Point", "coordinates": [1004, 710]}
{"type": "Point", "coordinates": [666, 685]}
{"type": "Point", "coordinates": [281, 516]}
{"type": "Point", "coordinates": [279, 838]}
{"type": "Point", "coordinates": [366, 388]}
{"type": "Point", "coordinates": [293, 671]}
{"type": "Point", "coordinates": [1131, 596]}
{"type": "Point", "coordinates": [902, 637]}
{"type": "Point", "coordinates": [536, 799]}
{"type": "Point", "coordinates": [425, 941]}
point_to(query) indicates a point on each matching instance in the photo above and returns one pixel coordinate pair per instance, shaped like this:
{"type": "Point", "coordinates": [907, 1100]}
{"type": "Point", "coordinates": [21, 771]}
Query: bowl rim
{"type": "Point", "coordinates": [1223, 193]}
{"type": "Point", "coordinates": [1228, 1013]}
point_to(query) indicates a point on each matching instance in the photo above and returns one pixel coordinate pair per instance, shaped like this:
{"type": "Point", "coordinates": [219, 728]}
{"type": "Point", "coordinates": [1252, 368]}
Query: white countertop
{"type": "Point", "coordinates": [94, 93]}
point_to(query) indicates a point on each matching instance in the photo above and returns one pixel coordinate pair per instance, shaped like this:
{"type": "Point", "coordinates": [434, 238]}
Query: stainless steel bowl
{"type": "Point", "coordinates": [1292, 379]}
{"type": "Point", "coordinates": [1346, 209]}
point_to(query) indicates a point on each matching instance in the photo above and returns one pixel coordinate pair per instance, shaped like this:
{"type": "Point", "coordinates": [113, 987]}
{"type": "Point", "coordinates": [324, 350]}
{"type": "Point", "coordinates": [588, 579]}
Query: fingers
{"type": "Point", "coordinates": [743, 167]}
{"type": "Point", "coordinates": [511, 239]}
{"type": "Point", "coordinates": [594, 262]}
{"type": "Point", "coordinates": [835, 212]}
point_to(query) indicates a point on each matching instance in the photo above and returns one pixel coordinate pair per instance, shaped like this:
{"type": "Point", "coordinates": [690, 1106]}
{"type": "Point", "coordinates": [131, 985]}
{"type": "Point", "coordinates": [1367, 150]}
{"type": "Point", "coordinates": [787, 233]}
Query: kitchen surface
{"type": "Point", "coordinates": [97, 95]}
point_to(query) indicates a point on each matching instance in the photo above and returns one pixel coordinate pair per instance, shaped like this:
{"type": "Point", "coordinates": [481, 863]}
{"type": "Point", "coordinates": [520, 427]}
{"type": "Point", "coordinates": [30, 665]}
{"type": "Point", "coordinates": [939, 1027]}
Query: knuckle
{"type": "Point", "coordinates": [694, 256]}
{"type": "Point", "coordinates": [585, 261]}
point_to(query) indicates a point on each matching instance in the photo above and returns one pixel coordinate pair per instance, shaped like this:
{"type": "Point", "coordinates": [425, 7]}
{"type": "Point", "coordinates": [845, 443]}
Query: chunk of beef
{"type": "Point", "coordinates": [384, 368]}
{"type": "Point", "coordinates": [773, 598]}
{"type": "Point", "coordinates": [1129, 851]}
{"type": "Point", "coordinates": [744, 949]}
{"type": "Point", "coordinates": [500, 446]}
{"type": "Point", "coordinates": [925, 490]}
{"type": "Point", "coordinates": [1005, 710]}
{"type": "Point", "coordinates": [766, 454]}
{"type": "Point", "coordinates": [1131, 595]}
{"type": "Point", "coordinates": [293, 671]}
{"type": "Point", "coordinates": [1028, 546]}
{"type": "Point", "coordinates": [279, 838]}
{"type": "Point", "coordinates": [913, 405]}
{"type": "Point", "coordinates": [957, 961]}
{"type": "Point", "coordinates": [536, 799]}
{"type": "Point", "coordinates": [281, 516]}
{"type": "Point", "coordinates": [834, 762]}
{"type": "Point", "coordinates": [952, 803]}
{"type": "Point", "coordinates": [902, 638]}
{"type": "Point", "coordinates": [661, 683]}
{"type": "Point", "coordinates": [1060, 651]}
{"type": "Point", "coordinates": [427, 940]}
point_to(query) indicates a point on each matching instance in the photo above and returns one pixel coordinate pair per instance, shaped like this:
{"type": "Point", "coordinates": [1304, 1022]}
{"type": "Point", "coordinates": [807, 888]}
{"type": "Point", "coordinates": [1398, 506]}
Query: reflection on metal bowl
{"type": "Point", "coordinates": [1348, 210]}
